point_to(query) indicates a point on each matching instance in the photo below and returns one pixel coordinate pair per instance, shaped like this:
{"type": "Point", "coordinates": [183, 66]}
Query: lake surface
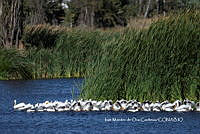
{"type": "Point", "coordinates": [35, 91]}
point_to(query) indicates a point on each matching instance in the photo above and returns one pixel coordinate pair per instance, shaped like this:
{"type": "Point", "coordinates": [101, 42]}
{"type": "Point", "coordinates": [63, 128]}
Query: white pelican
{"type": "Point", "coordinates": [198, 106]}
{"type": "Point", "coordinates": [39, 107]}
{"type": "Point", "coordinates": [156, 109]}
{"type": "Point", "coordinates": [123, 104]}
{"type": "Point", "coordinates": [102, 105]}
{"type": "Point", "coordinates": [177, 103]}
{"type": "Point", "coordinates": [117, 106]}
{"type": "Point", "coordinates": [188, 102]}
{"type": "Point", "coordinates": [183, 108]}
{"type": "Point", "coordinates": [133, 107]}
{"type": "Point", "coordinates": [99, 103]}
{"type": "Point", "coordinates": [96, 108]}
{"type": "Point", "coordinates": [77, 107]}
{"type": "Point", "coordinates": [17, 106]}
{"type": "Point", "coordinates": [168, 107]}
{"type": "Point", "coordinates": [26, 107]}
{"type": "Point", "coordinates": [60, 105]}
{"type": "Point", "coordinates": [29, 106]}
{"type": "Point", "coordinates": [146, 106]}
{"type": "Point", "coordinates": [88, 106]}
{"type": "Point", "coordinates": [108, 106]}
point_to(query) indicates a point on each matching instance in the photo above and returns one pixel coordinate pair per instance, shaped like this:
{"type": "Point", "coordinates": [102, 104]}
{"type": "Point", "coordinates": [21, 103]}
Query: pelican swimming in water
{"type": "Point", "coordinates": [26, 107]}
{"type": "Point", "coordinates": [184, 108]}
{"type": "Point", "coordinates": [20, 105]}
{"type": "Point", "coordinates": [107, 105]}
{"type": "Point", "coordinates": [97, 106]}
{"type": "Point", "coordinates": [133, 107]}
{"type": "Point", "coordinates": [88, 106]}
{"type": "Point", "coordinates": [156, 107]}
{"type": "Point", "coordinates": [198, 106]}
{"type": "Point", "coordinates": [177, 103]}
{"type": "Point", "coordinates": [123, 104]}
{"type": "Point", "coordinates": [39, 107]}
{"type": "Point", "coordinates": [60, 107]}
{"type": "Point", "coordinates": [117, 106]}
{"type": "Point", "coordinates": [103, 105]}
{"type": "Point", "coordinates": [77, 107]}
{"type": "Point", "coordinates": [146, 106]}
{"type": "Point", "coordinates": [167, 106]}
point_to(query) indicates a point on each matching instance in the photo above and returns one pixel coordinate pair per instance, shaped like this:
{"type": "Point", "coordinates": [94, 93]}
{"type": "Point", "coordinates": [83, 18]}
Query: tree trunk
{"type": "Point", "coordinates": [160, 6]}
{"type": "Point", "coordinates": [164, 6]}
{"type": "Point", "coordinates": [141, 6]}
{"type": "Point", "coordinates": [92, 17]}
{"type": "Point", "coordinates": [1, 5]}
{"type": "Point", "coordinates": [11, 22]}
{"type": "Point", "coordinates": [148, 9]}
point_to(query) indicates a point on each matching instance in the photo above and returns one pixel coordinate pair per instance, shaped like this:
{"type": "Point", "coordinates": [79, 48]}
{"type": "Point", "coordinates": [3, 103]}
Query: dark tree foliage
{"type": "Point", "coordinates": [44, 11]}
{"type": "Point", "coordinates": [111, 13]}
{"type": "Point", "coordinates": [54, 12]}
{"type": "Point", "coordinates": [98, 13]}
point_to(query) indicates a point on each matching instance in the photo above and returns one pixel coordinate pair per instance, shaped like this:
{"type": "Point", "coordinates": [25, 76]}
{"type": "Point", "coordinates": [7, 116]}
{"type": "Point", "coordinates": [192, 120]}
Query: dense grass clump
{"type": "Point", "coordinates": [45, 63]}
{"type": "Point", "coordinates": [80, 50]}
{"type": "Point", "coordinates": [13, 64]}
{"type": "Point", "coordinates": [43, 36]}
{"type": "Point", "coordinates": [157, 64]}
{"type": "Point", "coordinates": [76, 52]}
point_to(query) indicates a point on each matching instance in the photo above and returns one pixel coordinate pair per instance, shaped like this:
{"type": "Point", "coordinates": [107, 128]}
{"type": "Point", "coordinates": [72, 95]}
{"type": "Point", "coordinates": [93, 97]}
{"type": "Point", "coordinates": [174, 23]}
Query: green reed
{"type": "Point", "coordinates": [13, 64]}
{"type": "Point", "coordinates": [160, 63]}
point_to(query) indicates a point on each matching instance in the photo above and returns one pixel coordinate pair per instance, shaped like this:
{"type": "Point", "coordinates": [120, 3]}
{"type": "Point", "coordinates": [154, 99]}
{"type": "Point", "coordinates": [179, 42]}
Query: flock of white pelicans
{"type": "Point", "coordinates": [108, 105]}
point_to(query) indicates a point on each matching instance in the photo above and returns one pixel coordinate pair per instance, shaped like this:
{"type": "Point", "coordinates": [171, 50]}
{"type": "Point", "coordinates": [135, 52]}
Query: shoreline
{"type": "Point", "coordinates": [42, 78]}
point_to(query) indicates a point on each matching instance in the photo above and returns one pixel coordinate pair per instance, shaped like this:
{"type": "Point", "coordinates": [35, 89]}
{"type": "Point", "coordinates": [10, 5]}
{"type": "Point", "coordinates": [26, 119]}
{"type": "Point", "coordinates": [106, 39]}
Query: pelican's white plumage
{"type": "Point", "coordinates": [146, 106]}
{"type": "Point", "coordinates": [184, 108]}
{"type": "Point", "coordinates": [88, 106]}
{"type": "Point", "coordinates": [108, 105]}
{"type": "Point", "coordinates": [116, 106]}
{"type": "Point", "coordinates": [198, 106]}
{"type": "Point", "coordinates": [17, 106]}
{"type": "Point", "coordinates": [77, 107]}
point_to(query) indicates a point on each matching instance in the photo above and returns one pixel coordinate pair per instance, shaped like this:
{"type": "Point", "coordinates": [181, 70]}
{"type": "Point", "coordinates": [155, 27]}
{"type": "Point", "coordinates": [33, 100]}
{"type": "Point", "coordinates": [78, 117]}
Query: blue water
{"type": "Point", "coordinates": [81, 122]}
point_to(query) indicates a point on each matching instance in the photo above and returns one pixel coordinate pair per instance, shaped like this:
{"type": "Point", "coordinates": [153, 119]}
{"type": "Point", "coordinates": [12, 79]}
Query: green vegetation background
{"type": "Point", "coordinates": [158, 63]}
